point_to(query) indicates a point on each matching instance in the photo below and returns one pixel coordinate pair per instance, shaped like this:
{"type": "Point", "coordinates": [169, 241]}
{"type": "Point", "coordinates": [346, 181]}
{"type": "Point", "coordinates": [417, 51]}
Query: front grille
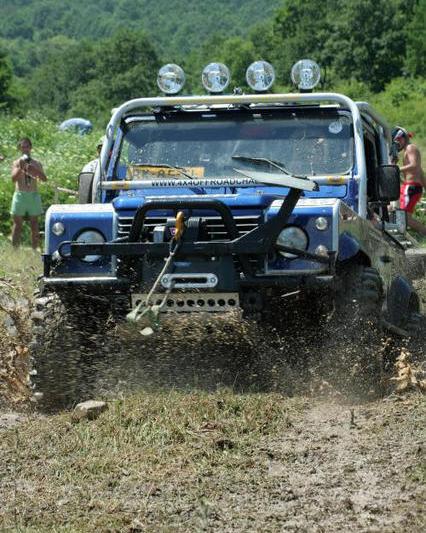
{"type": "Point", "coordinates": [214, 227]}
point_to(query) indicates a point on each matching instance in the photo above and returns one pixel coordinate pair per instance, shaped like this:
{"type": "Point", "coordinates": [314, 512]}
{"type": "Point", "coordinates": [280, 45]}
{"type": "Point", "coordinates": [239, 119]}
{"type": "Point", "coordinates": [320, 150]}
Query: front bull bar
{"type": "Point", "coordinates": [258, 241]}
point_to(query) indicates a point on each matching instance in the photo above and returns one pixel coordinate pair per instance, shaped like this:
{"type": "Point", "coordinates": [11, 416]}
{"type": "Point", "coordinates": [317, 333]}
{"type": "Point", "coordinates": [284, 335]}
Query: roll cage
{"type": "Point", "coordinates": [358, 111]}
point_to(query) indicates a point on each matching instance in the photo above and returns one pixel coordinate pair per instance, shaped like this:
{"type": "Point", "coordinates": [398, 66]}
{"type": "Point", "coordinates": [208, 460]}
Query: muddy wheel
{"type": "Point", "coordinates": [50, 370]}
{"type": "Point", "coordinates": [66, 338]}
{"type": "Point", "coordinates": [415, 323]}
{"type": "Point", "coordinates": [354, 331]}
{"type": "Point", "coordinates": [361, 294]}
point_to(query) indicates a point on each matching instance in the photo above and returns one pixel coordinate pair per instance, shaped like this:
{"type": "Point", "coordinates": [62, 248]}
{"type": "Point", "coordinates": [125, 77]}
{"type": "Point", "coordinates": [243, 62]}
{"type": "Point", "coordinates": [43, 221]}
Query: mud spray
{"type": "Point", "coordinates": [301, 353]}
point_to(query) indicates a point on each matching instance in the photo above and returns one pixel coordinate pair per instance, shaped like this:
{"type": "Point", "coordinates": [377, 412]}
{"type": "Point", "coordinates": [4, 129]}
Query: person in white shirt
{"type": "Point", "coordinates": [91, 166]}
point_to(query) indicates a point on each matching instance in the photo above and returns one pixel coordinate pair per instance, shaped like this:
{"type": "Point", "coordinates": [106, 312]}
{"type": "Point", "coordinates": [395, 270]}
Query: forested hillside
{"type": "Point", "coordinates": [81, 57]}
{"type": "Point", "coordinates": [176, 26]}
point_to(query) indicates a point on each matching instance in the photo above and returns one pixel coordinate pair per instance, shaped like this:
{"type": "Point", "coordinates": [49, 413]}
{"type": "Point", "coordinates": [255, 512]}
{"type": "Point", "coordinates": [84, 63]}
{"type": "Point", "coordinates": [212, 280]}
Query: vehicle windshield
{"type": "Point", "coordinates": [308, 142]}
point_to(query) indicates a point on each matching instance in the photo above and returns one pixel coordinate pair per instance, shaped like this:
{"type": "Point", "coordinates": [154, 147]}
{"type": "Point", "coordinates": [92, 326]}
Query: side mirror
{"type": "Point", "coordinates": [85, 183]}
{"type": "Point", "coordinates": [388, 183]}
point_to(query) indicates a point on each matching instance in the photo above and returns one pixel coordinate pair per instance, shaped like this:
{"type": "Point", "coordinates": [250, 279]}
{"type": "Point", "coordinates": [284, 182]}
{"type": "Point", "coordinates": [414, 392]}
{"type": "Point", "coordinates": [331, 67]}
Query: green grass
{"type": "Point", "coordinates": [158, 458]}
{"type": "Point", "coordinates": [21, 266]}
{"type": "Point", "coordinates": [176, 462]}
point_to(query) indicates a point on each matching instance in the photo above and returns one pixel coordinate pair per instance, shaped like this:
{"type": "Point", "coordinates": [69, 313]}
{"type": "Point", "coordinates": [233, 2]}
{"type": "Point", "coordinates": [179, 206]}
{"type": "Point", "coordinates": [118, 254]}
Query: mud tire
{"type": "Point", "coordinates": [361, 294]}
{"type": "Point", "coordinates": [50, 375]}
{"type": "Point", "coordinates": [356, 333]}
{"type": "Point", "coordinates": [66, 337]}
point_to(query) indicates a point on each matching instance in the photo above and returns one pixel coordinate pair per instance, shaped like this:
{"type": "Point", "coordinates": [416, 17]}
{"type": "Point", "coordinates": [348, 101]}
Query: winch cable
{"type": "Point", "coordinates": [152, 311]}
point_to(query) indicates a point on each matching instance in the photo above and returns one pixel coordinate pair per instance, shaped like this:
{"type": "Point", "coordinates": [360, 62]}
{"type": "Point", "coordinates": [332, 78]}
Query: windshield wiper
{"type": "Point", "coordinates": [166, 165]}
{"type": "Point", "coordinates": [264, 161]}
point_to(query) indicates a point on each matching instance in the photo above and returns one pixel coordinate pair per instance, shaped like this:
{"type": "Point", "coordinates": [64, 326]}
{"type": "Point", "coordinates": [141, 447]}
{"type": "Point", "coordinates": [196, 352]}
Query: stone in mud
{"type": "Point", "coordinates": [90, 410]}
{"type": "Point", "coordinates": [8, 420]}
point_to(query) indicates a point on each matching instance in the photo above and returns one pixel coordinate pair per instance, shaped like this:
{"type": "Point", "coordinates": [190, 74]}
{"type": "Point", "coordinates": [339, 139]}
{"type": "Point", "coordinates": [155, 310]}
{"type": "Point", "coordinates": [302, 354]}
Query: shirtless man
{"type": "Point", "coordinates": [414, 178]}
{"type": "Point", "coordinates": [26, 199]}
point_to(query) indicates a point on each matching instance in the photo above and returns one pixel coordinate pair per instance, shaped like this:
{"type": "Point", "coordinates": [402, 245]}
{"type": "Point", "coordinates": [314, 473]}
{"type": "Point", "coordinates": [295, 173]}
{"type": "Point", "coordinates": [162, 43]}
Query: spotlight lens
{"type": "Point", "coordinates": [215, 77]}
{"type": "Point", "coordinates": [321, 250]}
{"type": "Point", "coordinates": [171, 79]}
{"type": "Point", "coordinates": [305, 74]}
{"type": "Point", "coordinates": [260, 76]}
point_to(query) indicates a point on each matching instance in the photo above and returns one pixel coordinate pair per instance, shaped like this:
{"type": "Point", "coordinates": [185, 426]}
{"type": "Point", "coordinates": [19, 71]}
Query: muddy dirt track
{"type": "Point", "coordinates": [327, 460]}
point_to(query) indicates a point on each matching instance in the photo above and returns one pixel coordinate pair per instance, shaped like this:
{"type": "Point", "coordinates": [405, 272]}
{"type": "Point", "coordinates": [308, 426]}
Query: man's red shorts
{"type": "Point", "coordinates": [411, 194]}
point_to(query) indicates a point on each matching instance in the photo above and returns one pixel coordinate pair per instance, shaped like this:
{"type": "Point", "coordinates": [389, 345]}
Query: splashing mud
{"type": "Point", "coordinates": [14, 340]}
{"type": "Point", "coordinates": [298, 354]}
{"type": "Point", "coordinates": [303, 352]}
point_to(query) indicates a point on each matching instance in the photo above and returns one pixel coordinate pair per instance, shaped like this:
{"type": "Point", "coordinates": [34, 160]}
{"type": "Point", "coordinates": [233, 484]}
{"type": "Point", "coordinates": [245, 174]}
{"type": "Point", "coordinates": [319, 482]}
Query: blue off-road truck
{"type": "Point", "coordinates": [207, 204]}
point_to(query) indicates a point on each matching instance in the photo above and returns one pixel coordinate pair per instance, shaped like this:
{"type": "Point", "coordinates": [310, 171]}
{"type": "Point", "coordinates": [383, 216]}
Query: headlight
{"type": "Point", "coordinates": [91, 237]}
{"type": "Point", "coordinates": [305, 74]}
{"type": "Point", "coordinates": [58, 229]}
{"type": "Point", "coordinates": [215, 77]}
{"type": "Point", "coordinates": [260, 76]}
{"type": "Point", "coordinates": [293, 237]}
{"type": "Point", "coordinates": [171, 78]}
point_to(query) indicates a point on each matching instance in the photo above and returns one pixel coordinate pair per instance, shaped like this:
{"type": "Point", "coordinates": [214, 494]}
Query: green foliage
{"type": "Point", "coordinates": [404, 103]}
{"type": "Point", "coordinates": [368, 40]}
{"type": "Point", "coordinates": [62, 155]}
{"type": "Point", "coordinates": [87, 78]}
{"type": "Point", "coordinates": [5, 80]}
{"type": "Point", "coordinates": [416, 41]}
{"type": "Point", "coordinates": [359, 40]}
{"type": "Point", "coordinates": [176, 27]}
{"type": "Point", "coordinates": [71, 58]}
{"type": "Point", "coordinates": [301, 29]}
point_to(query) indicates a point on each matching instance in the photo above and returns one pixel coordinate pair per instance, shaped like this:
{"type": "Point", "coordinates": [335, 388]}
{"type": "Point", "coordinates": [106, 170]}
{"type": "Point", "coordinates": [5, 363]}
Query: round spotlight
{"type": "Point", "coordinates": [321, 250]}
{"type": "Point", "coordinates": [260, 76]}
{"type": "Point", "coordinates": [171, 79]}
{"type": "Point", "coordinates": [215, 77]}
{"type": "Point", "coordinates": [305, 74]}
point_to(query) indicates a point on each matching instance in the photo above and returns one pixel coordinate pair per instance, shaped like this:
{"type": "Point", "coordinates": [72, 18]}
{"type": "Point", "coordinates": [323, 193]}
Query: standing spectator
{"type": "Point", "coordinates": [414, 178]}
{"type": "Point", "coordinates": [91, 166]}
{"type": "Point", "coordinates": [26, 202]}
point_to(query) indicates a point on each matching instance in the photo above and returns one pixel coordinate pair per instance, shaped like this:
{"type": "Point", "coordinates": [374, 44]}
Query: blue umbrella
{"type": "Point", "coordinates": [78, 125]}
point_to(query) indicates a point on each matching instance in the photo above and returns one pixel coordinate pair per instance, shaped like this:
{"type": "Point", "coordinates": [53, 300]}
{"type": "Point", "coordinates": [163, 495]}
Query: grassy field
{"type": "Point", "coordinates": [173, 461]}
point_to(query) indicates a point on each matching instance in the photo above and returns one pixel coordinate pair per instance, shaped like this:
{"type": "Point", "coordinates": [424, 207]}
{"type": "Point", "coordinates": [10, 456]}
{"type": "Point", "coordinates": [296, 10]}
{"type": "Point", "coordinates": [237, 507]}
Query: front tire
{"type": "Point", "coordinates": [67, 337]}
{"type": "Point", "coordinates": [353, 342]}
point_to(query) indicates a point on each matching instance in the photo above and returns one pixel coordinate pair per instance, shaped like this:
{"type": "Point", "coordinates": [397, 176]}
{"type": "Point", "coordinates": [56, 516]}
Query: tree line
{"type": "Point", "coordinates": [364, 42]}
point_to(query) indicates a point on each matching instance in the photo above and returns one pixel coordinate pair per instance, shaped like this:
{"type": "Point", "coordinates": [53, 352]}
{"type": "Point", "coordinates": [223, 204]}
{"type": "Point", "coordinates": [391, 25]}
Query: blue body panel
{"type": "Point", "coordinates": [77, 218]}
{"type": "Point", "coordinates": [304, 217]}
